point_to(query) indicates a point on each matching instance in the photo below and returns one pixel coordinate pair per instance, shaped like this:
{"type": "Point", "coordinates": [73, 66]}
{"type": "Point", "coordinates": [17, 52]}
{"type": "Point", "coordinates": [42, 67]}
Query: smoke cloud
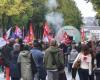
{"type": "Point", "coordinates": [52, 4]}
{"type": "Point", "coordinates": [54, 18]}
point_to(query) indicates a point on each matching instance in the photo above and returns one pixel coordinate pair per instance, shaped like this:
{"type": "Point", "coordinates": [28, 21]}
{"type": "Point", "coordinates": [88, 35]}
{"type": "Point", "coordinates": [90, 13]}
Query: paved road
{"type": "Point", "coordinates": [68, 75]}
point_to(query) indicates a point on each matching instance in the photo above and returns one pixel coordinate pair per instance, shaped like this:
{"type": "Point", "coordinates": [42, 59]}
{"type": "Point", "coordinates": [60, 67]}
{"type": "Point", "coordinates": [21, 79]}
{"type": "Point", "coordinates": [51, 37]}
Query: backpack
{"type": "Point", "coordinates": [57, 61]}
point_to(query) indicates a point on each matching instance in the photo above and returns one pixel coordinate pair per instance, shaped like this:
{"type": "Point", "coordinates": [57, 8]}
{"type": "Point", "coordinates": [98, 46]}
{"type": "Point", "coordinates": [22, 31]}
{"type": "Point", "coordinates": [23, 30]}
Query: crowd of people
{"type": "Point", "coordinates": [40, 60]}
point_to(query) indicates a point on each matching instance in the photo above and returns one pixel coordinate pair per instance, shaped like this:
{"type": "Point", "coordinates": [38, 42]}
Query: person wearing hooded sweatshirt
{"type": "Point", "coordinates": [26, 64]}
{"type": "Point", "coordinates": [53, 60]}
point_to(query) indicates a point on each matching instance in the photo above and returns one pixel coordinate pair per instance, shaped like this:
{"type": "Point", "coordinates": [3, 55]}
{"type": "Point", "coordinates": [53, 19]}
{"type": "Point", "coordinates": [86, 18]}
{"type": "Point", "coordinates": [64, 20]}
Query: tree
{"type": "Point", "coordinates": [9, 9]}
{"type": "Point", "coordinates": [96, 4]}
{"type": "Point", "coordinates": [21, 12]}
{"type": "Point", "coordinates": [38, 17]}
{"type": "Point", "coordinates": [71, 13]}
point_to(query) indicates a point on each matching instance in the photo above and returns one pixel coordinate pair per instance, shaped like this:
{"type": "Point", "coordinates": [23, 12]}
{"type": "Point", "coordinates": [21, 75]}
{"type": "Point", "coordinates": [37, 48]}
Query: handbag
{"type": "Point", "coordinates": [77, 64]}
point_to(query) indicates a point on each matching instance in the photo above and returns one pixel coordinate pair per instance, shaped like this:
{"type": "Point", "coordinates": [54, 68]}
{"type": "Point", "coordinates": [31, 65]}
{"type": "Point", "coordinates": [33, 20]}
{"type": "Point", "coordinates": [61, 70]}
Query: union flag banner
{"type": "Point", "coordinates": [30, 36]}
{"type": "Point", "coordinates": [66, 38]}
{"type": "Point", "coordinates": [82, 34]}
{"type": "Point", "coordinates": [46, 33]}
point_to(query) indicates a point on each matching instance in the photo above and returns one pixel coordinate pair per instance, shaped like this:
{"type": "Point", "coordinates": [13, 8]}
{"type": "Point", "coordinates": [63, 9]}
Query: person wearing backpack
{"type": "Point", "coordinates": [53, 61]}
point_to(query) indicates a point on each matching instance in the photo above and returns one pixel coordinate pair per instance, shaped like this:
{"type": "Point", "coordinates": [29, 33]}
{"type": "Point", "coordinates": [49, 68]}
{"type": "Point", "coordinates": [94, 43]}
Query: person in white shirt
{"type": "Point", "coordinates": [85, 66]}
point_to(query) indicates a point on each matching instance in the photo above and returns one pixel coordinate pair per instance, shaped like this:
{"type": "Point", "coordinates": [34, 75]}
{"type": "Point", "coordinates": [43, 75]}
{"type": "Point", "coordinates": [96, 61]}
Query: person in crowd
{"type": "Point", "coordinates": [20, 41]}
{"type": "Point", "coordinates": [1, 62]}
{"type": "Point", "coordinates": [71, 56]}
{"type": "Point", "coordinates": [26, 64]}
{"type": "Point", "coordinates": [6, 52]}
{"type": "Point", "coordinates": [97, 69]}
{"type": "Point", "coordinates": [63, 47]}
{"type": "Point", "coordinates": [85, 63]}
{"type": "Point", "coordinates": [53, 61]}
{"type": "Point", "coordinates": [37, 55]}
{"type": "Point", "coordinates": [45, 45]}
{"type": "Point", "coordinates": [98, 56]}
{"type": "Point", "coordinates": [14, 69]}
{"type": "Point", "coordinates": [79, 46]}
{"type": "Point", "coordinates": [6, 55]}
{"type": "Point", "coordinates": [30, 45]}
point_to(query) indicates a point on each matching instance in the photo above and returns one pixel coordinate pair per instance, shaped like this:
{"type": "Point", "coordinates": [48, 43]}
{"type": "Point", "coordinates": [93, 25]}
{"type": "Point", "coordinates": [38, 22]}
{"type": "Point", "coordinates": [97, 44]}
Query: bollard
{"type": "Point", "coordinates": [7, 73]}
{"type": "Point", "coordinates": [97, 73]}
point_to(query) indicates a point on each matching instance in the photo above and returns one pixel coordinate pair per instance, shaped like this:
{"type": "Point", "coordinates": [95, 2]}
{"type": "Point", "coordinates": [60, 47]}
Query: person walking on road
{"type": "Point", "coordinates": [14, 69]}
{"type": "Point", "coordinates": [27, 65]}
{"type": "Point", "coordinates": [53, 61]}
{"type": "Point", "coordinates": [37, 55]}
{"type": "Point", "coordinates": [85, 63]}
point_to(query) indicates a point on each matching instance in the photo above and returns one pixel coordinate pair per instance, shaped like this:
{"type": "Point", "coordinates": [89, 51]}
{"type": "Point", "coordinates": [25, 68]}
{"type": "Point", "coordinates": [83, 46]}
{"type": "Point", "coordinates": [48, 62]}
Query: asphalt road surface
{"type": "Point", "coordinates": [67, 74]}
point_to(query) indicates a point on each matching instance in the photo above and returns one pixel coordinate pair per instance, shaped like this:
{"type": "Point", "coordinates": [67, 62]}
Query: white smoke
{"type": "Point", "coordinates": [54, 18]}
{"type": "Point", "coordinates": [52, 4]}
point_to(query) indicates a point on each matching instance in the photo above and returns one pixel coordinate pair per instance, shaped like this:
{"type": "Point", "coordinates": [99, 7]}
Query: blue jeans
{"type": "Point", "coordinates": [84, 74]}
{"type": "Point", "coordinates": [41, 74]}
{"type": "Point", "coordinates": [70, 67]}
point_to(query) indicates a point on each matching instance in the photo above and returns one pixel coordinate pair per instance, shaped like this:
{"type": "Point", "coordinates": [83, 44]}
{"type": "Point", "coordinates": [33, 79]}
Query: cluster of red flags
{"type": "Point", "coordinates": [30, 35]}
{"type": "Point", "coordinates": [47, 36]}
{"type": "Point", "coordinates": [19, 34]}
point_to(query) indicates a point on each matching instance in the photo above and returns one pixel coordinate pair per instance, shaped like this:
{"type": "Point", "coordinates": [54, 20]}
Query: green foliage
{"type": "Point", "coordinates": [39, 11]}
{"type": "Point", "coordinates": [15, 12]}
{"type": "Point", "coordinates": [96, 4]}
{"type": "Point", "coordinates": [71, 13]}
{"type": "Point", "coordinates": [19, 12]}
{"type": "Point", "coordinates": [14, 7]}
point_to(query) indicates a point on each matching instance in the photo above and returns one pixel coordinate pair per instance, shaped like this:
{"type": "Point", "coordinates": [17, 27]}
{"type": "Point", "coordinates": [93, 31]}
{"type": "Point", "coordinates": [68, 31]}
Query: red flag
{"type": "Point", "coordinates": [30, 36]}
{"type": "Point", "coordinates": [82, 35]}
{"type": "Point", "coordinates": [66, 38]}
{"type": "Point", "coordinates": [46, 29]}
{"type": "Point", "coordinates": [46, 33]}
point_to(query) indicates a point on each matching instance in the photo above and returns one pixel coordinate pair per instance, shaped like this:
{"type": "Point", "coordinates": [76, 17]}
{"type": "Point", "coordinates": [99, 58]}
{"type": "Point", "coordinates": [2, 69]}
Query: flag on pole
{"type": "Point", "coordinates": [66, 38]}
{"type": "Point", "coordinates": [47, 37]}
{"type": "Point", "coordinates": [18, 32]}
{"type": "Point", "coordinates": [30, 36]}
{"type": "Point", "coordinates": [82, 34]}
{"type": "Point", "coordinates": [6, 35]}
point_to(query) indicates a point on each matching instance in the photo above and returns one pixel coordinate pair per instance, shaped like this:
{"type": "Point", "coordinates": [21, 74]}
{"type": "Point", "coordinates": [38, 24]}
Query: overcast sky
{"type": "Point", "coordinates": [85, 8]}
